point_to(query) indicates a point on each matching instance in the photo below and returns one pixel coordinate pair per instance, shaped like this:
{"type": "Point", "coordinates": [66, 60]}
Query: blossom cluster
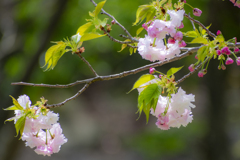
{"type": "Point", "coordinates": [41, 129]}
{"type": "Point", "coordinates": [236, 3]}
{"type": "Point", "coordinates": [152, 47]}
{"type": "Point", "coordinates": [174, 112]}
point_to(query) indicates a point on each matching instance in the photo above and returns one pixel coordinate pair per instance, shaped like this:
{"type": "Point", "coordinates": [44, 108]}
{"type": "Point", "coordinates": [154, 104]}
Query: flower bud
{"type": "Point", "coordinates": [236, 49]}
{"type": "Point", "coordinates": [197, 12]}
{"type": "Point", "coordinates": [113, 22]}
{"type": "Point", "coordinates": [238, 61]}
{"type": "Point", "coordinates": [191, 68]}
{"type": "Point", "coordinates": [171, 40]}
{"type": "Point", "coordinates": [182, 44]}
{"type": "Point", "coordinates": [219, 32]}
{"type": "Point", "coordinates": [151, 70]}
{"type": "Point", "coordinates": [219, 52]}
{"type": "Point", "coordinates": [223, 67]}
{"type": "Point", "coordinates": [226, 50]}
{"type": "Point", "coordinates": [229, 61]}
{"type": "Point", "coordinates": [178, 36]}
{"type": "Point", "coordinates": [202, 73]}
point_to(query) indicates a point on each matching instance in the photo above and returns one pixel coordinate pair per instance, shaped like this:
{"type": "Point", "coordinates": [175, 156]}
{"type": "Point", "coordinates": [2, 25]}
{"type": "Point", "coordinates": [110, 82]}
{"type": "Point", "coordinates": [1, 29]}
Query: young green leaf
{"type": "Point", "coordinates": [172, 71]}
{"type": "Point", "coordinates": [139, 31]}
{"type": "Point", "coordinates": [192, 34]}
{"type": "Point", "coordinates": [82, 29]}
{"type": "Point", "coordinates": [89, 36]}
{"type": "Point", "coordinates": [98, 8]}
{"type": "Point", "coordinates": [19, 126]}
{"type": "Point", "coordinates": [202, 53]}
{"type": "Point", "coordinates": [16, 104]}
{"type": "Point", "coordinates": [144, 11]}
{"type": "Point", "coordinates": [13, 107]}
{"type": "Point", "coordinates": [143, 79]}
{"type": "Point", "coordinates": [200, 40]}
{"type": "Point", "coordinates": [53, 54]}
{"type": "Point", "coordinates": [148, 98]}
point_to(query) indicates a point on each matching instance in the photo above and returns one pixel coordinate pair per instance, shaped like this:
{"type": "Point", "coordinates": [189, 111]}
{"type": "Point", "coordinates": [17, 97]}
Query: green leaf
{"type": "Point", "coordinates": [12, 118]}
{"type": "Point", "coordinates": [143, 79]}
{"type": "Point", "coordinates": [98, 8]}
{"type": "Point", "coordinates": [53, 54]}
{"type": "Point", "coordinates": [220, 38]}
{"type": "Point", "coordinates": [139, 31]}
{"type": "Point", "coordinates": [19, 126]}
{"type": "Point", "coordinates": [191, 34]}
{"type": "Point", "coordinates": [13, 107]}
{"type": "Point", "coordinates": [144, 11]}
{"type": "Point", "coordinates": [16, 104]}
{"type": "Point", "coordinates": [202, 53]}
{"type": "Point", "coordinates": [148, 99]}
{"type": "Point", "coordinates": [200, 40]}
{"type": "Point", "coordinates": [173, 71]}
{"type": "Point", "coordinates": [82, 29]}
{"type": "Point", "coordinates": [89, 36]}
{"type": "Point", "coordinates": [124, 45]}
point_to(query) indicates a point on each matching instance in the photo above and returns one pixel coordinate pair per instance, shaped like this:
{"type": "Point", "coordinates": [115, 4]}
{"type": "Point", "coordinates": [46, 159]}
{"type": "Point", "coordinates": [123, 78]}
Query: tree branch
{"type": "Point", "coordinates": [115, 76]}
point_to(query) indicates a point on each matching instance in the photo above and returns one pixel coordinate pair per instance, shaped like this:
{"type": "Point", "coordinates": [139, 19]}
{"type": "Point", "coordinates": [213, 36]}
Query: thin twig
{"type": "Point", "coordinates": [113, 39]}
{"type": "Point", "coordinates": [89, 65]}
{"type": "Point", "coordinates": [123, 28]}
{"type": "Point", "coordinates": [189, 74]}
{"type": "Point", "coordinates": [200, 24]}
{"type": "Point", "coordinates": [69, 99]}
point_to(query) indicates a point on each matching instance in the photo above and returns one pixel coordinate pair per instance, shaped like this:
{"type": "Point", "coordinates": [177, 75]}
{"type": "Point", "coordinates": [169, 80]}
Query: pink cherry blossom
{"type": "Point", "coordinates": [237, 3]}
{"type": "Point", "coordinates": [226, 50]}
{"type": "Point", "coordinates": [200, 73]}
{"type": "Point", "coordinates": [197, 12]}
{"type": "Point", "coordinates": [176, 17]}
{"type": "Point", "coordinates": [176, 113]}
{"type": "Point", "coordinates": [178, 36]}
{"type": "Point", "coordinates": [233, 1]}
{"type": "Point", "coordinates": [229, 61]}
{"type": "Point", "coordinates": [182, 44]}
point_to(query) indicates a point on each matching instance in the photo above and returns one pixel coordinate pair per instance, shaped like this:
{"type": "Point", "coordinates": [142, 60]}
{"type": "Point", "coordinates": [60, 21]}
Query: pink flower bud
{"type": "Point", "coordinates": [235, 40]}
{"type": "Point", "coordinates": [236, 49]}
{"type": "Point", "coordinates": [171, 40]}
{"type": "Point", "coordinates": [233, 1]}
{"type": "Point", "coordinates": [197, 12]}
{"type": "Point", "coordinates": [191, 68]}
{"type": "Point", "coordinates": [219, 32]}
{"type": "Point", "coordinates": [229, 61]}
{"type": "Point", "coordinates": [226, 50]}
{"type": "Point", "coordinates": [219, 52]}
{"type": "Point", "coordinates": [113, 22]}
{"type": "Point", "coordinates": [160, 76]}
{"type": "Point", "coordinates": [181, 26]}
{"type": "Point", "coordinates": [238, 61]}
{"type": "Point", "coordinates": [196, 57]}
{"type": "Point", "coordinates": [178, 36]}
{"type": "Point", "coordinates": [202, 73]}
{"type": "Point", "coordinates": [145, 26]}
{"type": "Point", "coordinates": [182, 44]}
{"type": "Point", "coordinates": [223, 67]}
{"type": "Point", "coordinates": [152, 70]}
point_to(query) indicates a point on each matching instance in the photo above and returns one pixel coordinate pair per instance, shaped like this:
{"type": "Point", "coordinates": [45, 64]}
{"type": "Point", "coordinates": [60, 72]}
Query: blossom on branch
{"type": "Point", "coordinates": [174, 112]}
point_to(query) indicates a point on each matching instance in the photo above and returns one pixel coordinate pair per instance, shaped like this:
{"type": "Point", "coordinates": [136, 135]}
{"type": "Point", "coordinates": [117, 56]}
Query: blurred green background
{"type": "Point", "coordinates": [101, 123]}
